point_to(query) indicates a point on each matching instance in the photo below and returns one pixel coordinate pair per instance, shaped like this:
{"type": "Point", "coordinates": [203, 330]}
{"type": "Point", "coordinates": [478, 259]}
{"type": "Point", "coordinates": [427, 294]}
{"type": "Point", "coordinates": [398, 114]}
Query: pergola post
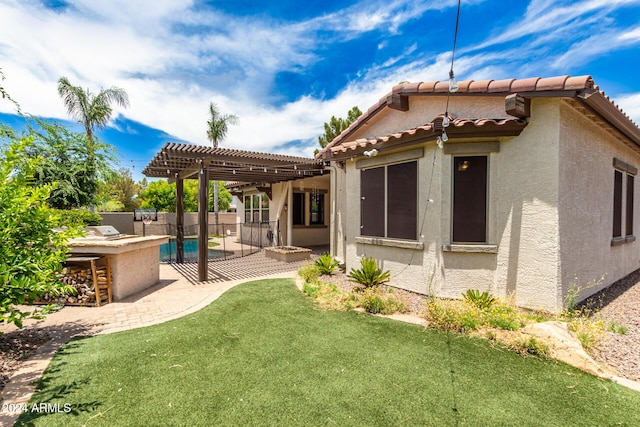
{"type": "Point", "coordinates": [203, 223]}
{"type": "Point", "coordinates": [180, 221]}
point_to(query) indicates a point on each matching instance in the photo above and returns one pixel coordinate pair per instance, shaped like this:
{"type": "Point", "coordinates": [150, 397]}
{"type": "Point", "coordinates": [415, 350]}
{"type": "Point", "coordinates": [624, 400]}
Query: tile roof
{"type": "Point", "coordinates": [581, 88]}
{"type": "Point", "coordinates": [460, 127]}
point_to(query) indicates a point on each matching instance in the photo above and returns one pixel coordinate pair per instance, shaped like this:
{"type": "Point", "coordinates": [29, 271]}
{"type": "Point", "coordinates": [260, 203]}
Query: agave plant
{"type": "Point", "coordinates": [369, 275]}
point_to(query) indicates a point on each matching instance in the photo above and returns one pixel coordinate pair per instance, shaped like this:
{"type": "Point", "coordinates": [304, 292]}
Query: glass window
{"type": "Point", "coordinates": [317, 208]}
{"type": "Point", "coordinates": [298, 208]}
{"type": "Point", "coordinates": [470, 199]}
{"type": "Point", "coordinates": [617, 204]}
{"type": "Point", "coordinates": [389, 201]}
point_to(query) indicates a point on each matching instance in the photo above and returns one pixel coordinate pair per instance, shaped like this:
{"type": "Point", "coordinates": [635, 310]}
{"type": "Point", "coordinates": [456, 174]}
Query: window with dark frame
{"type": "Point", "coordinates": [470, 199]}
{"type": "Point", "coordinates": [623, 202]}
{"type": "Point", "coordinates": [389, 201]}
{"type": "Point", "coordinates": [629, 213]}
{"type": "Point", "coordinates": [617, 204]}
{"type": "Point", "coordinates": [298, 208]}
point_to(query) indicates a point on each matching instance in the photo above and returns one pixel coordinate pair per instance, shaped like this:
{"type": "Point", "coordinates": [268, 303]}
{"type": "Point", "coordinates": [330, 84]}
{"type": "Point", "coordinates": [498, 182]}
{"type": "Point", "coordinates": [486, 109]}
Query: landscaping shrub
{"type": "Point", "coordinates": [369, 275]}
{"type": "Point", "coordinates": [309, 273]}
{"type": "Point", "coordinates": [326, 264]}
{"type": "Point", "coordinates": [31, 252]}
{"type": "Point", "coordinates": [383, 302]}
{"type": "Point", "coordinates": [482, 300]}
{"type": "Point", "coordinates": [79, 217]}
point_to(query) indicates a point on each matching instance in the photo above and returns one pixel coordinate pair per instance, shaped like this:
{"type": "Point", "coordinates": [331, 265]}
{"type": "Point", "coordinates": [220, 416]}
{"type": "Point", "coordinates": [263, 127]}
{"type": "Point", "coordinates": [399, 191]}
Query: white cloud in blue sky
{"type": "Point", "coordinates": [286, 67]}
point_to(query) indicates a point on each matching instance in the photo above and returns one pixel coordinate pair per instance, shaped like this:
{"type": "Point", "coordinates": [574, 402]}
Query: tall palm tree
{"type": "Point", "coordinates": [217, 128]}
{"type": "Point", "coordinates": [93, 111]}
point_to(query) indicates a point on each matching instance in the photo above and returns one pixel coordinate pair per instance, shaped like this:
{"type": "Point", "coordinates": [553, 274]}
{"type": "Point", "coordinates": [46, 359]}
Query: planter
{"type": "Point", "coordinates": [287, 253]}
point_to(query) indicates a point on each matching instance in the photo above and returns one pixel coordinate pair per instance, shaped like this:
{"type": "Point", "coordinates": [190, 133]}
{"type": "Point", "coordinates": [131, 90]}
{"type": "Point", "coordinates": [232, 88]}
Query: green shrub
{"type": "Point", "coordinates": [326, 264]}
{"type": "Point", "coordinates": [617, 328]}
{"type": "Point", "coordinates": [311, 289]}
{"type": "Point", "coordinates": [375, 300]}
{"type": "Point", "coordinates": [532, 346]}
{"type": "Point", "coordinates": [482, 300]}
{"type": "Point", "coordinates": [369, 275]}
{"type": "Point", "coordinates": [309, 273]}
{"type": "Point", "coordinates": [77, 217]}
{"type": "Point", "coordinates": [455, 316]}
{"type": "Point", "coordinates": [373, 303]}
{"type": "Point", "coordinates": [31, 252]}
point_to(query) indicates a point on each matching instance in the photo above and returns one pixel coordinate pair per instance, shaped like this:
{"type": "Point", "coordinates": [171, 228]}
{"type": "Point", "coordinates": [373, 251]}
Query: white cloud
{"type": "Point", "coordinates": [630, 104]}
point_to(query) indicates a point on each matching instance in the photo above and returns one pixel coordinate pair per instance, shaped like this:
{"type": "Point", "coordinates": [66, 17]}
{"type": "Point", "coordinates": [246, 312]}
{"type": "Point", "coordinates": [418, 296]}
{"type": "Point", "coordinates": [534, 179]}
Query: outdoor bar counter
{"type": "Point", "coordinates": [135, 260]}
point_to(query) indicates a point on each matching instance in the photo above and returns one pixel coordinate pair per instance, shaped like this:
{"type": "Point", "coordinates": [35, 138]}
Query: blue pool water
{"type": "Point", "coordinates": [168, 251]}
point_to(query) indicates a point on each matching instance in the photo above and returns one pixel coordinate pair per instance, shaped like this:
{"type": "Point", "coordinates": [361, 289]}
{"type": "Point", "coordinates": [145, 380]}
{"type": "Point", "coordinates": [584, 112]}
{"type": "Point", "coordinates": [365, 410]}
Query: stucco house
{"type": "Point", "coordinates": [531, 194]}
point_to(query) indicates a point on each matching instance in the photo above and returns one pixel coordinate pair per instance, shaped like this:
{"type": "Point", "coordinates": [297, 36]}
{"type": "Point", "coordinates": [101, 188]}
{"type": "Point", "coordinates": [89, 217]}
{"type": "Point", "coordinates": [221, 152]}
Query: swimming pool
{"type": "Point", "coordinates": [168, 251]}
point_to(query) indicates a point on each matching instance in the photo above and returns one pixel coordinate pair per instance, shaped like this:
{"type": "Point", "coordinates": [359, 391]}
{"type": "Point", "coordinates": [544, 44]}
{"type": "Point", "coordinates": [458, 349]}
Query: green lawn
{"type": "Point", "coordinates": [264, 354]}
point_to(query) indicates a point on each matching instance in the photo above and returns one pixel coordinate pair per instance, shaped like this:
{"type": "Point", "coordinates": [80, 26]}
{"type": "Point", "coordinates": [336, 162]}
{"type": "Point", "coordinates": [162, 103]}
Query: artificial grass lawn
{"type": "Point", "coordinates": [265, 354]}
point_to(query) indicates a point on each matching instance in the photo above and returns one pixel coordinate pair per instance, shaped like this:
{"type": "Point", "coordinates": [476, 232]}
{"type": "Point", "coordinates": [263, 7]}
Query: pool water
{"type": "Point", "coordinates": [168, 251]}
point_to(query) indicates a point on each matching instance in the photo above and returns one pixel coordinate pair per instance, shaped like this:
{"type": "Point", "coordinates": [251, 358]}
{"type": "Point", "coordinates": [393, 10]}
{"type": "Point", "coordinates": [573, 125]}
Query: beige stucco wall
{"type": "Point", "coordinates": [522, 218]}
{"type": "Point", "coordinates": [586, 205]}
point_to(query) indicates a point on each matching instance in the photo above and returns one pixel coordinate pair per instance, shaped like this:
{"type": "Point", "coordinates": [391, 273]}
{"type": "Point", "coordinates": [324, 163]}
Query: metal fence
{"type": "Point", "coordinates": [226, 240]}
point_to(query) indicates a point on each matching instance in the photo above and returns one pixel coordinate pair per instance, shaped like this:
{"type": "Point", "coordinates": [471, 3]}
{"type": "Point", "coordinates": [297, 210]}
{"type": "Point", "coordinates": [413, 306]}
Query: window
{"type": "Point", "coordinates": [256, 208]}
{"type": "Point", "coordinates": [317, 208]}
{"type": "Point", "coordinates": [623, 201]}
{"type": "Point", "coordinates": [470, 199]}
{"type": "Point", "coordinates": [629, 228]}
{"type": "Point", "coordinates": [388, 201]}
{"type": "Point", "coordinates": [298, 208]}
{"type": "Point", "coordinates": [617, 204]}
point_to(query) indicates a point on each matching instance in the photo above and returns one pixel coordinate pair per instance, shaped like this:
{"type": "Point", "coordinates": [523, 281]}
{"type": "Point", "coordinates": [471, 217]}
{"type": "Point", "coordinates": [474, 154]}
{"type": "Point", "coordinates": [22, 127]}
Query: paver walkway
{"type": "Point", "coordinates": [177, 294]}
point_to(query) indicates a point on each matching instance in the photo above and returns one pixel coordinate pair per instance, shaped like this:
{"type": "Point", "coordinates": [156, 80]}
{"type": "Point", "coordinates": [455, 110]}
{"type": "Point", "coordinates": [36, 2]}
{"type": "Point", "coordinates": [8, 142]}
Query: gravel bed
{"type": "Point", "coordinates": [621, 304]}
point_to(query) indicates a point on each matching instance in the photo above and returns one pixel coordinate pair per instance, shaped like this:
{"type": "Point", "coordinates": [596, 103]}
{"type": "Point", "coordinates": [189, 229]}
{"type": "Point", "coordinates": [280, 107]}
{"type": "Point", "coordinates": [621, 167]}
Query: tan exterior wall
{"type": "Point", "coordinates": [522, 213]}
{"type": "Point", "coordinates": [586, 205]}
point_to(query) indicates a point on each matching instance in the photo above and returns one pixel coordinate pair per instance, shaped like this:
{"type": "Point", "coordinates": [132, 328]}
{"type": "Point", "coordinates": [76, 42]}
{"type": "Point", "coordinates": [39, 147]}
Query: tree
{"type": "Point", "coordinates": [337, 125]}
{"type": "Point", "coordinates": [119, 193]}
{"type": "Point", "coordinates": [93, 111]}
{"type": "Point", "coordinates": [69, 161]}
{"type": "Point", "coordinates": [162, 196]}
{"type": "Point", "coordinates": [31, 252]}
{"type": "Point", "coordinates": [217, 128]}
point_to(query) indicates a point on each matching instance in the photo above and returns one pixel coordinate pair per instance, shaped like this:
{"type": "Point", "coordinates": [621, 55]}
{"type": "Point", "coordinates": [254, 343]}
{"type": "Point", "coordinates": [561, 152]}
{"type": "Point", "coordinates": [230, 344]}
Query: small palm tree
{"type": "Point", "coordinates": [217, 128]}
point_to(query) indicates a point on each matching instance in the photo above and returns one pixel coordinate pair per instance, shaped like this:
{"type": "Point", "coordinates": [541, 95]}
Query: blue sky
{"type": "Point", "coordinates": [285, 67]}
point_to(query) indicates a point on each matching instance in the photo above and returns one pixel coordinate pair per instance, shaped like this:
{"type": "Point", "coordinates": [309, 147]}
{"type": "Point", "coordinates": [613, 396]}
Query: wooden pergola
{"type": "Point", "coordinates": [177, 162]}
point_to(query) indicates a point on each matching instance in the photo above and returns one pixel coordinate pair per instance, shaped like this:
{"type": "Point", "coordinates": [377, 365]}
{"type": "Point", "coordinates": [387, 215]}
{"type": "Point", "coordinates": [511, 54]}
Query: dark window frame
{"type": "Point", "coordinates": [617, 203]}
{"type": "Point", "coordinates": [390, 214]}
{"type": "Point", "coordinates": [469, 226]}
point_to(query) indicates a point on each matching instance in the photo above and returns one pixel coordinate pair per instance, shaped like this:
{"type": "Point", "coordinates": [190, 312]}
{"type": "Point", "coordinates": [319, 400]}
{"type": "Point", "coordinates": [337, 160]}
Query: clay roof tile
{"type": "Point", "coordinates": [525, 85]}
{"type": "Point", "coordinates": [427, 87]}
{"type": "Point", "coordinates": [501, 85]}
{"type": "Point", "coordinates": [481, 86]}
{"type": "Point", "coordinates": [579, 82]}
{"type": "Point", "coordinates": [464, 86]}
{"type": "Point", "coordinates": [552, 83]}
